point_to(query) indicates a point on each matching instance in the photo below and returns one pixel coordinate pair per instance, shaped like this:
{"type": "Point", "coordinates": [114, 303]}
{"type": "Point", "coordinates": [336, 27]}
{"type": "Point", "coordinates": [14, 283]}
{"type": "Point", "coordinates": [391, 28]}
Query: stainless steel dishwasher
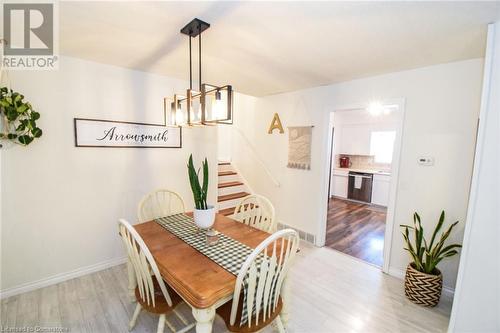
{"type": "Point", "coordinates": [360, 186]}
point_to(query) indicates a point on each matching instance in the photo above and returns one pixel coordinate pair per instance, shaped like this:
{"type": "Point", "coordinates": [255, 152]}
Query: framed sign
{"type": "Point", "coordinates": [122, 134]}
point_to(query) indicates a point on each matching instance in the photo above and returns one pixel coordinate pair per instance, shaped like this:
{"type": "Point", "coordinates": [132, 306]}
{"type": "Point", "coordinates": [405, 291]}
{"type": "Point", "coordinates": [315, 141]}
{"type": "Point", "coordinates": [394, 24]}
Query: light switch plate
{"type": "Point", "coordinates": [425, 160]}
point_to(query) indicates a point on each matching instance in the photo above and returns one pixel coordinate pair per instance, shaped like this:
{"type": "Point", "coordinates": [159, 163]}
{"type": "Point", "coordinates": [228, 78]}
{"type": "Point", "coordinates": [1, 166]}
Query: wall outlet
{"type": "Point", "coordinates": [425, 160]}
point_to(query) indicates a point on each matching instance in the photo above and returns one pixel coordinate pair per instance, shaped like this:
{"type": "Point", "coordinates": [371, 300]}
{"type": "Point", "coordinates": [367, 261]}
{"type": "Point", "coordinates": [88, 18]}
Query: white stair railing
{"type": "Point", "coordinates": [256, 156]}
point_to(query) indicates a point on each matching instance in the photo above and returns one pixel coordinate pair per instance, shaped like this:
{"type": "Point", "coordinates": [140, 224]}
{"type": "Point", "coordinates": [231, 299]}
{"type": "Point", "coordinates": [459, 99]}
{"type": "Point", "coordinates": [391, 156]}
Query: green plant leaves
{"type": "Point", "coordinates": [11, 113]}
{"type": "Point", "coordinates": [36, 132]}
{"type": "Point", "coordinates": [199, 192]}
{"type": "Point", "coordinates": [205, 182]}
{"type": "Point", "coordinates": [20, 118]}
{"type": "Point", "coordinates": [194, 182]}
{"type": "Point", "coordinates": [16, 97]}
{"type": "Point", "coordinates": [22, 109]}
{"type": "Point", "coordinates": [433, 253]}
{"type": "Point", "coordinates": [25, 139]}
{"type": "Point", "coordinates": [438, 227]}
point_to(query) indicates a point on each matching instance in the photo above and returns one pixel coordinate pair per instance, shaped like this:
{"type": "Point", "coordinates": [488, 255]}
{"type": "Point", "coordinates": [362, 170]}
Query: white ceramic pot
{"type": "Point", "coordinates": [204, 218]}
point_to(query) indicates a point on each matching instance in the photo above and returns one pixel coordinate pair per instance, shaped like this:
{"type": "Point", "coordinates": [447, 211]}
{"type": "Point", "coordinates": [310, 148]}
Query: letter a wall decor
{"type": "Point", "coordinates": [276, 124]}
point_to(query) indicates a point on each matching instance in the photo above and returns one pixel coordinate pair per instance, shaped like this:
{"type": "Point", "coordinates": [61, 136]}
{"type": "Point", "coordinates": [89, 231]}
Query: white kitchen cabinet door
{"type": "Point", "coordinates": [380, 190]}
{"type": "Point", "coordinates": [355, 140]}
{"type": "Point", "coordinates": [339, 184]}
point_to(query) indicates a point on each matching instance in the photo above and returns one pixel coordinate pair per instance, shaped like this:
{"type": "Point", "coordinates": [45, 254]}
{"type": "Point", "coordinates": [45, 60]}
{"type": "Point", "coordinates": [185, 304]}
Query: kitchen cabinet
{"type": "Point", "coordinates": [339, 183]}
{"type": "Point", "coordinates": [354, 140]}
{"type": "Point", "coordinates": [380, 189]}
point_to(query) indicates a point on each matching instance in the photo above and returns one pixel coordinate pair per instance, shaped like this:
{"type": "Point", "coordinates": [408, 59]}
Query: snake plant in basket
{"type": "Point", "coordinates": [423, 280]}
{"type": "Point", "coordinates": [204, 214]}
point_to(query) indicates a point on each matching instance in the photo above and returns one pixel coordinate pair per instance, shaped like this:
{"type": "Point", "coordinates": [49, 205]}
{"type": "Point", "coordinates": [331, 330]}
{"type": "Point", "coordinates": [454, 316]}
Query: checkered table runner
{"type": "Point", "coordinates": [227, 253]}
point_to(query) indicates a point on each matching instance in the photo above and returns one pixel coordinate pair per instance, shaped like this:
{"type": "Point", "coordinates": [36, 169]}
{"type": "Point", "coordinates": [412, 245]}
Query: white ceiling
{"type": "Point", "coordinates": [264, 48]}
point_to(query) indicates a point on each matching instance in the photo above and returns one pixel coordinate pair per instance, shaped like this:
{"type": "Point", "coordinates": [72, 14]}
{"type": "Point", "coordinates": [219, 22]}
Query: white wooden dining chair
{"type": "Point", "coordinates": [256, 211]}
{"type": "Point", "coordinates": [265, 284]}
{"type": "Point", "coordinates": [152, 294]}
{"type": "Point", "coordinates": [159, 203]}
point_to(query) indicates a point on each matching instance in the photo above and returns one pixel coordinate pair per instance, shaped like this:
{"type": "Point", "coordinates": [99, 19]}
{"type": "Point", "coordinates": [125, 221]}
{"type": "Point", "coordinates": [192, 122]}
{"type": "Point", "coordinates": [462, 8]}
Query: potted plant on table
{"type": "Point", "coordinates": [423, 280]}
{"type": "Point", "coordinates": [204, 214]}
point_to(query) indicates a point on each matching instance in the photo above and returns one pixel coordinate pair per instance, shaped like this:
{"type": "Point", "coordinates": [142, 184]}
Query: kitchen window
{"type": "Point", "coordinates": [382, 146]}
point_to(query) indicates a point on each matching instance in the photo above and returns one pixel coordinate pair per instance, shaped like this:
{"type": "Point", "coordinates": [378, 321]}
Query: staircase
{"type": "Point", "coordinates": [231, 189]}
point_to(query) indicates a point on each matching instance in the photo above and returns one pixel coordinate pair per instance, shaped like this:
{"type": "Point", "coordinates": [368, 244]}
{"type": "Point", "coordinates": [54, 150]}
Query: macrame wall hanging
{"type": "Point", "coordinates": [299, 147]}
{"type": "Point", "coordinates": [299, 142]}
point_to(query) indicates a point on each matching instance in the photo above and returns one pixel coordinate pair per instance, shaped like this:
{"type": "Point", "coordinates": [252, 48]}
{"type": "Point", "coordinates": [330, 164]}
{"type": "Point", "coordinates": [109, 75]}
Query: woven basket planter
{"type": "Point", "coordinates": [421, 288]}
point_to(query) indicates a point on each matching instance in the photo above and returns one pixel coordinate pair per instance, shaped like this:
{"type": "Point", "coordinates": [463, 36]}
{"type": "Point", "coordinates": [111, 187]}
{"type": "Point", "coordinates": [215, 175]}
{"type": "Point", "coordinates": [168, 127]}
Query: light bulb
{"type": "Point", "coordinates": [217, 109]}
{"type": "Point", "coordinates": [199, 112]}
{"type": "Point", "coordinates": [179, 117]}
{"type": "Point", "coordinates": [375, 108]}
{"type": "Point", "coordinates": [172, 111]}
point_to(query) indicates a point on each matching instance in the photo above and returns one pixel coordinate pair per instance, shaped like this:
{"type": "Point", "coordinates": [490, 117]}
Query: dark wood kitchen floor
{"type": "Point", "coordinates": [356, 229]}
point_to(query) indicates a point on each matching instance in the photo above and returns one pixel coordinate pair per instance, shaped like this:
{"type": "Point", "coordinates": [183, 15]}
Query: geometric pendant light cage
{"type": "Point", "coordinates": [209, 104]}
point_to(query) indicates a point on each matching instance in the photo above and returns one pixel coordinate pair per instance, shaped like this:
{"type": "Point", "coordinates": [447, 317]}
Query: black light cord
{"type": "Point", "coordinates": [199, 53]}
{"type": "Point", "coordinates": [190, 66]}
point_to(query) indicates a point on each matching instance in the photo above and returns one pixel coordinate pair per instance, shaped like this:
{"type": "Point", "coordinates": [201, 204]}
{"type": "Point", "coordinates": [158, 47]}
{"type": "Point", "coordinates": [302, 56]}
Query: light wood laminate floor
{"type": "Point", "coordinates": [356, 229]}
{"type": "Point", "coordinates": [331, 292]}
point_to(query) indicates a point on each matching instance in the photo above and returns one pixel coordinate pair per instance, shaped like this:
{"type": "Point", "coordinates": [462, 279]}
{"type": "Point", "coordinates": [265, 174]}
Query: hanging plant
{"type": "Point", "coordinates": [18, 117]}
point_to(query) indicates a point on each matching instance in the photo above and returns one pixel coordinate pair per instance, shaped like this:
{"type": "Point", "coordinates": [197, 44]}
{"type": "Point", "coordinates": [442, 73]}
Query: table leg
{"type": "Point", "coordinates": [132, 282]}
{"type": "Point", "coordinates": [204, 319]}
{"type": "Point", "coordinates": [285, 310]}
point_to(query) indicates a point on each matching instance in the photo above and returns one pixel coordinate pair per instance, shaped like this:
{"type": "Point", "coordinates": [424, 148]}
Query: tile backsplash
{"type": "Point", "coordinates": [363, 162]}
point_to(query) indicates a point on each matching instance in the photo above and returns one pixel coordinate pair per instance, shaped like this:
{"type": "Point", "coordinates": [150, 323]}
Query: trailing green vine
{"type": "Point", "coordinates": [18, 118]}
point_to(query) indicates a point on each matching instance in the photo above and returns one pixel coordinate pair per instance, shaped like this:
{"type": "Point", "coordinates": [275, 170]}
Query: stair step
{"type": "Point", "coordinates": [227, 173]}
{"type": "Point", "coordinates": [232, 196]}
{"type": "Point", "coordinates": [227, 211]}
{"type": "Point", "coordinates": [224, 163]}
{"type": "Point", "coordinates": [229, 184]}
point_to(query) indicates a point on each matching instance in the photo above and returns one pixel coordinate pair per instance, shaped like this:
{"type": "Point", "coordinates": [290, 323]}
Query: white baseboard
{"type": "Point", "coordinates": [29, 286]}
{"type": "Point", "coordinates": [400, 274]}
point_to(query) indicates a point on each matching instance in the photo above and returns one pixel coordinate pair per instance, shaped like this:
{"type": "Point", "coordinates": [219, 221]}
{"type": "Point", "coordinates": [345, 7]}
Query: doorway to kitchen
{"type": "Point", "coordinates": [363, 165]}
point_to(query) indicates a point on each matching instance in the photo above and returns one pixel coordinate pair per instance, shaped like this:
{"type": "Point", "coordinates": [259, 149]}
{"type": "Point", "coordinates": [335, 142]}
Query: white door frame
{"type": "Point", "coordinates": [389, 227]}
{"type": "Point", "coordinates": [484, 112]}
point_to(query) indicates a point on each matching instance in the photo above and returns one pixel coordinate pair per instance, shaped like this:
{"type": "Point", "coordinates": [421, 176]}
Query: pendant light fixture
{"type": "Point", "coordinates": [209, 104]}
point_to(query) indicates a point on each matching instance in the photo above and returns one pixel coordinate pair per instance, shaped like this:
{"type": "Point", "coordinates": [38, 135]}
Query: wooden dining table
{"type": "Point", "coordinates": [202, 283]}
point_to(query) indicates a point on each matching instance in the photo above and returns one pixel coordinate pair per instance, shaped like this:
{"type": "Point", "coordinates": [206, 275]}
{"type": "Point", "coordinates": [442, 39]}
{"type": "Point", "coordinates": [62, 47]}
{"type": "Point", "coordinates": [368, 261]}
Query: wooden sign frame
{"type": "Point", "coordinates": [138, 135]}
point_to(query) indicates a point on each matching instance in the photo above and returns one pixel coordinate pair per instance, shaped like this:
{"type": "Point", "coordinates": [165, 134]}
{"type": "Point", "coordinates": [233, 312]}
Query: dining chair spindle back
{"type": "Point", "coordinates": [264, 273]}
{"type": "Point", "coordinates": [256, 211]}
{"type": "Point", "coordinates": [159, 203]}
{"type": "Point", "coordinates": [152, 293]}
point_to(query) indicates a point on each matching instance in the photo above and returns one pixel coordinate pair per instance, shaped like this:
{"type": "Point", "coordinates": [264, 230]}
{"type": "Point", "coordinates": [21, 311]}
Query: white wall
{"type": "Point", "coordinates": [233, 141]}
{"type": "Point", "coordinates": [477, 298]}
{"type": "Point", "coordinates": [61, 203]}
{"type": "Point", "coordinates": [442, 105]}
